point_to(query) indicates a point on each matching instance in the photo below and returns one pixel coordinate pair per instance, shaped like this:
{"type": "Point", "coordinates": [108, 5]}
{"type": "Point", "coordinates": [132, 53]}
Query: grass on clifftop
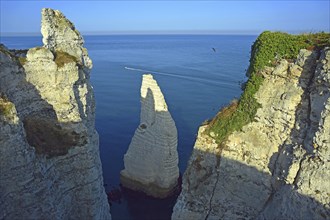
{"type": "Point", "coordinates": [63, 58]}
{"type": "Point", "coordinates": [269, 48]}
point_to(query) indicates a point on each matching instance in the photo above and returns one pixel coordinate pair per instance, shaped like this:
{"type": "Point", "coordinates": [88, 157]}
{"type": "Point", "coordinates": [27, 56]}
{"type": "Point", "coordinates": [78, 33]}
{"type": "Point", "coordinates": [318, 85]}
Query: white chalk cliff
{"type": "Point", "coordinates": [49, 148]}
{"type": "Point", "coordinates": [151, 161]}
{"type": "Point", "coordinates": [276, 167]}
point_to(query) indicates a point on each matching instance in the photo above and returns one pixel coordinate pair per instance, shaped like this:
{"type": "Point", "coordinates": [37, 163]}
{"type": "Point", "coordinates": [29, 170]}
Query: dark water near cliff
{"type": "Point", "coordinates": [195, 80]}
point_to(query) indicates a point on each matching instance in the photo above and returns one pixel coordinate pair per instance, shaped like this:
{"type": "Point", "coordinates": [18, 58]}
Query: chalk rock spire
{"type": "Point", "coordinates": [151, 161]}
{"type": "Point", "coordinates": [60, 34]}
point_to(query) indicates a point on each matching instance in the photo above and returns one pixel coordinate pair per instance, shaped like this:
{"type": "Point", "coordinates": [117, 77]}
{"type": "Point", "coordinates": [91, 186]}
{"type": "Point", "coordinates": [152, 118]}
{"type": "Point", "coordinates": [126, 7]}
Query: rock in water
{"type": "Point", "coordinates": [151, 162]}
{"type": "Point", "coordinates": [49, 148]}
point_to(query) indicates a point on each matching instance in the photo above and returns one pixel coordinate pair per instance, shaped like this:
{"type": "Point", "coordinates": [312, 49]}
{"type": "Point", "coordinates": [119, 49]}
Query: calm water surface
{"type": "Point", "coordinates": [195, 80]}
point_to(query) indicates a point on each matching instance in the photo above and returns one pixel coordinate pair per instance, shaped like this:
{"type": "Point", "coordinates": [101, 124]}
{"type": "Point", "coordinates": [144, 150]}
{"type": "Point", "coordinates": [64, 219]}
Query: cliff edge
{"type": "Point", "coordinates": [266, 156]}
{"type": "Point", "coordinates": [49, 148]}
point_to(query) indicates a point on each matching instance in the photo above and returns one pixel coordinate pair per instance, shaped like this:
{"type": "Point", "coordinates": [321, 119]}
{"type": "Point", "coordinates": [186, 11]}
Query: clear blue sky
{"type": "Point", "coordinates": [172, 16]}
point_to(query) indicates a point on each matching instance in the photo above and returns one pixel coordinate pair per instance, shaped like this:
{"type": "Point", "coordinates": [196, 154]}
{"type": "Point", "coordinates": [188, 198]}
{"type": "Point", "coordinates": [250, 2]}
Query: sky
{"type": "Point", "coordinates": [209, 17]}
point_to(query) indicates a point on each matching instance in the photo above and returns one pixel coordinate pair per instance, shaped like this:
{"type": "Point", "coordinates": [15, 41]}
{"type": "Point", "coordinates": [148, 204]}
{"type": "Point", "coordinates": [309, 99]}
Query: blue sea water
{"type": "Point", "coordinates": [195, 80]}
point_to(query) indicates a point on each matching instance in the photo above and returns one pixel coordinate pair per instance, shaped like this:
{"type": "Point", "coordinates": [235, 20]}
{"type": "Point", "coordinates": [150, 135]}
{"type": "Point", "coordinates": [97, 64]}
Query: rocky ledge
{"type": "Point", "coordinates": [49, 148]}
{"type": "Point", "coordinates": [151, 161]}
{"type": "Point", "coordinates": [278, 165]}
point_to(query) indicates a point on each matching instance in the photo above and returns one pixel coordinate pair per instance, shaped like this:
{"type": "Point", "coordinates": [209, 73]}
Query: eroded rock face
{"type": "Point", "coordinates": [51, 138]}
{"type": "Point", "coordinates": [151, 161]}
{"type": "Point", "coordinates": [278, 166]}
{"type": "Point", "coordinates": [59, 34]}
{"type": "Point", "coordinates": [49, 148]}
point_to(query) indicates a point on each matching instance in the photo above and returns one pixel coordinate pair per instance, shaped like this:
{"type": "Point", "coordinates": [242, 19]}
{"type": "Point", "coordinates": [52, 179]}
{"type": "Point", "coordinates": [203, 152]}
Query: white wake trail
{"type": "Point", "coordinates": [196, 79]}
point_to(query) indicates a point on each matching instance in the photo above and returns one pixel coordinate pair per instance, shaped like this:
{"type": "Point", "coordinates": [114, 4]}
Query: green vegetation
{"type": "Point", "coordinates": [51, 138]}
{"type": "Point", "coordinates": [61, 58]}
{"type": "Point", "coordinates": [5, 106]}
{"type": "Point", "coordinates": [5, 51]}
{"type": "Point", "coordinates": [22, 60]}
{"type": "Point", "coordinates": [269, 48]}
{"type": "Point", "coordinates": [62, 23]}
{"type": "Point", "coordinates": [38, 48]}
{"type": "Point", "coordinates": [272, 46]}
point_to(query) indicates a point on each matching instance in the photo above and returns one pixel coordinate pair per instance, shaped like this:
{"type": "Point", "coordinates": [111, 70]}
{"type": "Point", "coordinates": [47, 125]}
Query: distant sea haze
{"type": "Point", "coordinates": [167, 32]}
{"type": "Point", "coordinates": [195, 80]}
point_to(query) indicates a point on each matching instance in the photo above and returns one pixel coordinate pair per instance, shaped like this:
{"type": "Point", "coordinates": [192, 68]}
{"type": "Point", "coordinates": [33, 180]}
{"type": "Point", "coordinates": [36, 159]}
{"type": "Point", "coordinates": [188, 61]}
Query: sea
{"type": "Point", "coordinates": [198, 75]}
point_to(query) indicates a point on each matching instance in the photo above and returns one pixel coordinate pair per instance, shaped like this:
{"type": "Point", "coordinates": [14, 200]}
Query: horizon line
{"type": "Point", "coordinates": [169, 32]}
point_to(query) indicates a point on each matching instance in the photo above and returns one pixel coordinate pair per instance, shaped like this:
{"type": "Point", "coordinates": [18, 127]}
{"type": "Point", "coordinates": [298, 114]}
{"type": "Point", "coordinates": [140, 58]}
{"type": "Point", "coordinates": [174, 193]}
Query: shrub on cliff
{"type": "Point", "coordinates": [5, 106]}
{"type": "Point", "coordinates": [62, 58]}
{"type": "Point", "coordinates": [22, 60]}
{"type": "Point", "coordinates": [266, 51]}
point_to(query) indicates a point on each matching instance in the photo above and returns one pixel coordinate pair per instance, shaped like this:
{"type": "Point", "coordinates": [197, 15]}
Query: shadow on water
{"type": "Point", "coordinates": [141, 206]}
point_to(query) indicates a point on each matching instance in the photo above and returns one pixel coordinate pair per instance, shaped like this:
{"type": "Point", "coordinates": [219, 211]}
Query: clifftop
{"type": "Point", "coordinates": [267, 51]}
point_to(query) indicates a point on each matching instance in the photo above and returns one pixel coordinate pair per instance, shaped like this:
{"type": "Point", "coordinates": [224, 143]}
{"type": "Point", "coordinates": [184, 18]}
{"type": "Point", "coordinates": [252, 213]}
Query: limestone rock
{"type": "Point", "coordinates": [39, 54]}
{"type": "Point", "coordinates": [151, 161]}
{"type": "Point", "coordinates": [295, 70]}
{"type": "Point", "coordinates": [304, 57]}
{"type": "Point", "coordinates": [59, 34]}
{"type": "Point", "coordinates": [281, 68]}
{"type": "Point", "coordinates": [276, 167]}
{"type": "Point", "coordinates": [49, 154]}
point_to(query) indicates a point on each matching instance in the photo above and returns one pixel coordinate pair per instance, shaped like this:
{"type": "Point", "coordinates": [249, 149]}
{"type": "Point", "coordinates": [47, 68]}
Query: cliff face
{"type": "Point", "coordinates": [151, 161]}
{"type": "Point", "coordinates": [277, 166]}
{"type": "Point", "coordinates": [49, 155]}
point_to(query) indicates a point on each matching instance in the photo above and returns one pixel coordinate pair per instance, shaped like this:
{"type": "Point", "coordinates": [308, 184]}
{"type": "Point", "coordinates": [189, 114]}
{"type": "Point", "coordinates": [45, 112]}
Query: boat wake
{"type": "Point", "coordinates": [191, 78]}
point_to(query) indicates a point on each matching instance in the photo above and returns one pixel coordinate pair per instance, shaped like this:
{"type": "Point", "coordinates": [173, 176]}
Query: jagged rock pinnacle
{"type": "Point", "coordinates": [59, 34]}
